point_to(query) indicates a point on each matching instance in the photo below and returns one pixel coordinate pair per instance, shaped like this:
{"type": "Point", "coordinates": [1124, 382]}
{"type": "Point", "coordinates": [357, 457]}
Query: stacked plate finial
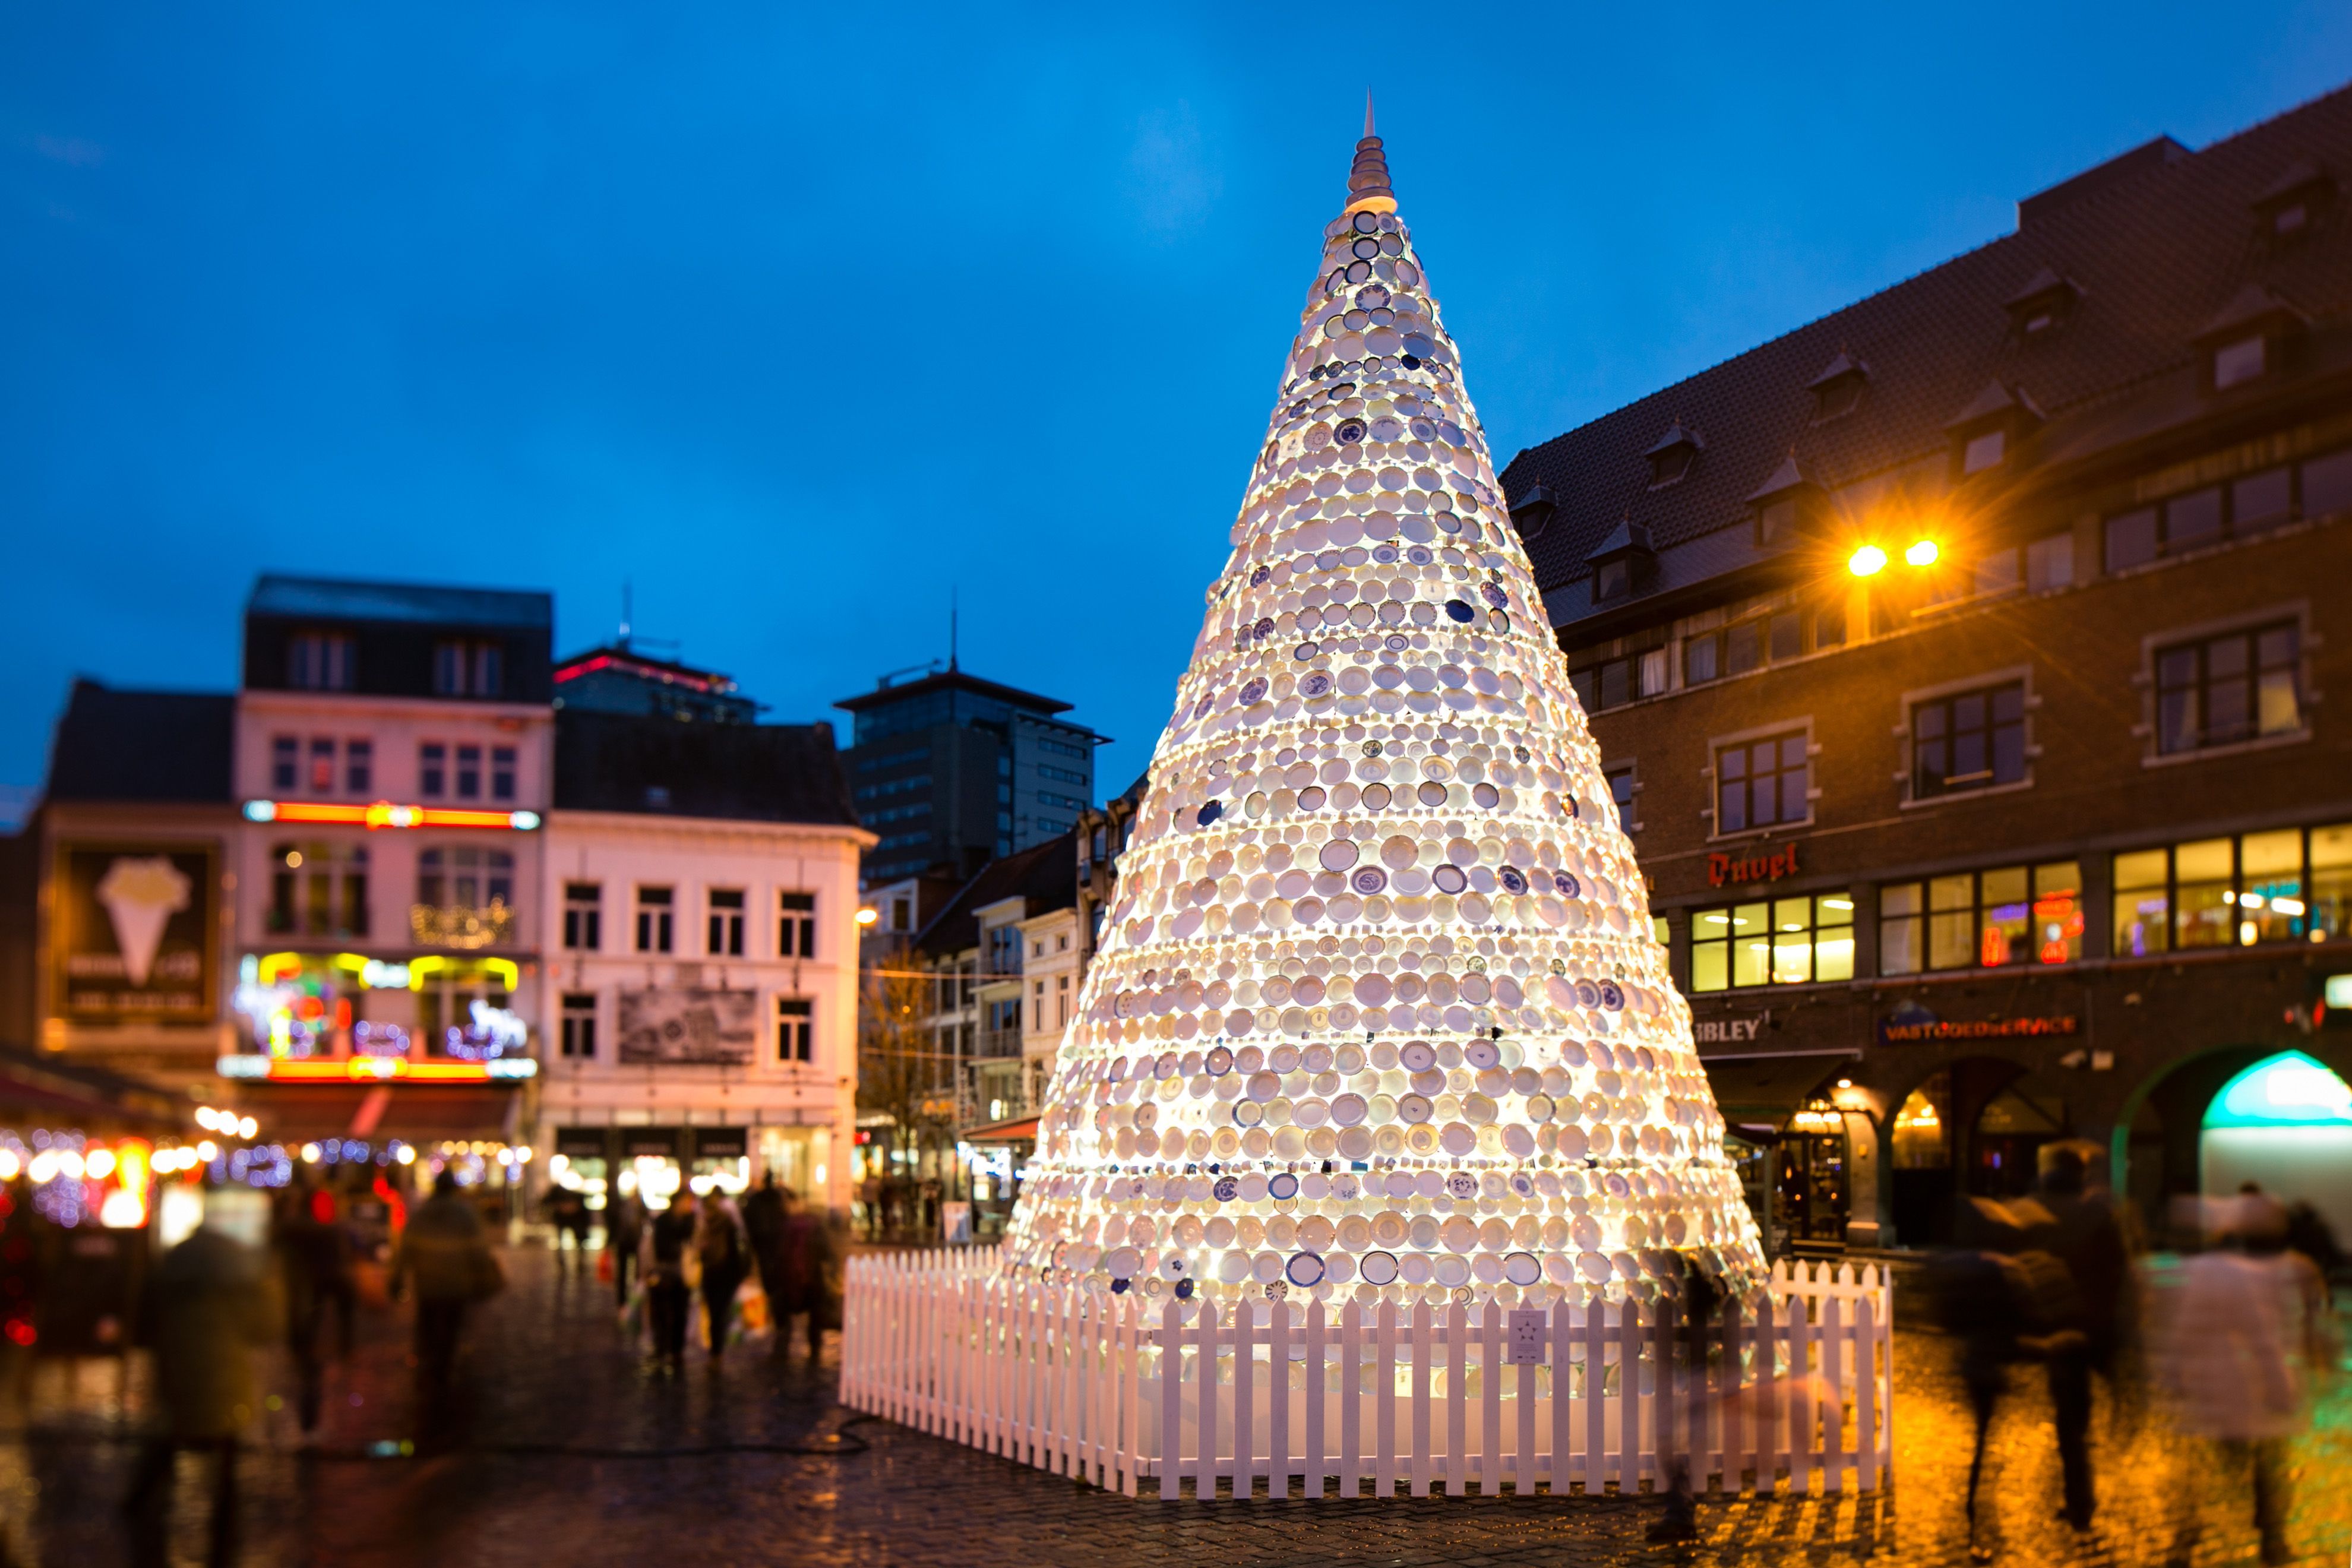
{"type": "Point", "coordinates": [1377, 1012]}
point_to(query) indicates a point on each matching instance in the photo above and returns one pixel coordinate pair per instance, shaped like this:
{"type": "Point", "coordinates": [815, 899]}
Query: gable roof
{"type": "Point", "coordinates": [2159, 243]}
{"type": "Point", "coordinates": [157, 746]}
{"type": "Point", "coordinates": [750, 773]}
{"type": "Point", "coordinates": [1045, 876]}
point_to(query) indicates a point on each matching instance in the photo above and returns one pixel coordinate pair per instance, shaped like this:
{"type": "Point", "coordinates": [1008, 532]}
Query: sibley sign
{"type": "Point", "coordinates": [1729, 1031]}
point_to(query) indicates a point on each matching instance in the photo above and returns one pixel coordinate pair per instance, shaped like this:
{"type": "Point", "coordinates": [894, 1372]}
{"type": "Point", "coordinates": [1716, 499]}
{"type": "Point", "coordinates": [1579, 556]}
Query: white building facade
{"type": "Point", "coordinates": [701, 987]}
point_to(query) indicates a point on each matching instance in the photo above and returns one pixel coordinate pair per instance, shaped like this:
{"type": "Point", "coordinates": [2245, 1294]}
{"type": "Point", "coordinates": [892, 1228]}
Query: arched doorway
{"type": "Point", "coordinates": [2284, 1123]}
{"type": "Point", "coordinates": [1973, 1128]}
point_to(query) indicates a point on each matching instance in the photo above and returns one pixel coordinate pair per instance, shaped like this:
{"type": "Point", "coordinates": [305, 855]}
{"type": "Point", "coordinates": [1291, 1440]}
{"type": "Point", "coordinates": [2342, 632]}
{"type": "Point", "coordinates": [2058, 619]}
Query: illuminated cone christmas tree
{"type": "Point", "coordinates": [1377, 1011]}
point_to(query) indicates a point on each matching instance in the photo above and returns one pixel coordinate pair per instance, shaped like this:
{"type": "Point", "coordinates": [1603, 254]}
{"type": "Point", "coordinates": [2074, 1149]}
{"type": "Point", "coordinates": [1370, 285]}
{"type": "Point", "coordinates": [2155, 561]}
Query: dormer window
{"type": "Point", "coordinates": [2238, 362]}
{"type": "Point", "coordinates": [1786, 505]}
{"type": "Point", "coordinates": [1837, 391]}
{"type": "Point", "coordinates": [1532, 512]}
{"type": "Point", "coordinates": [2044, 305]}
{"type": "Point", "coordinates": [2249, 338]}
{"type": "Point", "coordinates": [1623, 565]}
{"type": "Point", "coordinates": [2294, 205]}
{"type": "Point", "coordinates": [1670, 457]}
{"type": "Point", "coordinates": [1986, 433]}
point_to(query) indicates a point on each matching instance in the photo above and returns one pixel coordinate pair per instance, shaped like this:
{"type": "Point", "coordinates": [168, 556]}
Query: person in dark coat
{"type": "Point", "coordinates": [666, 1257]}
{"type": "Point", "coordinates": [726, 1256]}
{"type": "Point", "coordinates": [207, 1306]}
{"type": "Point", "coordinates": [445, 1251]}
{"type": "Point", "coordinates": [2085, 1229]}
{"type": "Point", "coordinates": [624, 1228]}
{"type": "Point", "coordinates": [315, 1264]}
{"type": "Point", "coordinates": [764, 1223]}
{"type": "Point", "coordinates": [804, 1258]}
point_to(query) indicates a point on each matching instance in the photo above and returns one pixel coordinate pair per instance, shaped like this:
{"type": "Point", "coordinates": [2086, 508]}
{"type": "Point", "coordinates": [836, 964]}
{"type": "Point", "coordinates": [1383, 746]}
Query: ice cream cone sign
{"type": "Point", "coordinates": [141, 896]}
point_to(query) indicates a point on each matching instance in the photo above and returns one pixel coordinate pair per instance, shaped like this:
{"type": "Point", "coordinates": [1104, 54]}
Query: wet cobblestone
{"type": "Point", "coordinates": [562, 1450]}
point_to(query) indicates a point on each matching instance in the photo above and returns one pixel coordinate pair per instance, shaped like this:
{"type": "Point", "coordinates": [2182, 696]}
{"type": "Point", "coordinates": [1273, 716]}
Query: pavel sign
{"type": "Point", "coordinates": [1378, 1014]}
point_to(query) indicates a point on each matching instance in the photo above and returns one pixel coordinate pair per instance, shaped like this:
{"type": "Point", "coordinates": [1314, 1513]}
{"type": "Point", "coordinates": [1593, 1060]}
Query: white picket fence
{"type": "Point", "coordinates": [1796, 1381]}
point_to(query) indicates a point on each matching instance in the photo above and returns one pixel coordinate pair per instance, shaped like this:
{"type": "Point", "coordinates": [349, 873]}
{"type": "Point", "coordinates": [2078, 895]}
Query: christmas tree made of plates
{"type": "Point", "coordinates": [1377, 1012]}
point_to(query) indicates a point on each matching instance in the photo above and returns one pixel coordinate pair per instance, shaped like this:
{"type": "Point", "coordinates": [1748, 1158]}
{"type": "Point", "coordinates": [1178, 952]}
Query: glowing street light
{"type": "Point", "coordinates": [867, 917]}
{"type": "Point", "coordinates": [1867, 561]}
{"type": "Point", "coordinates": [1922, 553]}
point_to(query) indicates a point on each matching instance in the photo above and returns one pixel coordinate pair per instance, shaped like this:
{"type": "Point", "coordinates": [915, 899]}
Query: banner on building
{"type": "Point", "coordinates": [133, 932]}
{"type": "Point", "coordinates": [689, 1024]}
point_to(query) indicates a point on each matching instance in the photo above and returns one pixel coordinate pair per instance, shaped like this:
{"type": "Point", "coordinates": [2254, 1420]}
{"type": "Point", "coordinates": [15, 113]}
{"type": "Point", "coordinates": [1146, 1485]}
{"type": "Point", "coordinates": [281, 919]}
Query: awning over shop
{"type": "Point", "coordinates": [1765, 1086]}
{"type": "Point", "coordinates": [37, 1090]}
{"type": "Point", "coordinates": [1020, 1129]}
{"type": "Point", "coordinates": [414, 1113]}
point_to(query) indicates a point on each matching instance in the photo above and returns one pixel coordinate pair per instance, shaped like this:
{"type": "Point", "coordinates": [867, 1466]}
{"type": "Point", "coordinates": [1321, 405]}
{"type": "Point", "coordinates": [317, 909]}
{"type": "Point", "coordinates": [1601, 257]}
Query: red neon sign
{"type": "Point", "coordinates": [385, 813]}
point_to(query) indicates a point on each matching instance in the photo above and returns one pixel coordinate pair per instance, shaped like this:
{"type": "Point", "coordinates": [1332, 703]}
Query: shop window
{"type": "Point", "coordinates": [319, 888]}
{"type": "Point", "coordinates": [502, 772]}
{"type": "Point", "coordinates": [1982, 919]}
{"type": "Point", "coordinates": [584, 916]}
{"type": "Point", "coordinates": [654, 917]}
{"type": "Point", "coordinates": [432, 770]}
{"type": "Point", "coordinates": [466, 1012]}
{"type": "Point", "coordinates": [1968, 741]}
{"type": "Point", "coordinates": [320, 661]}
{"type": "Point", "coordinates": [2224, 690]}
{"type": "Point", "coordinates": [579, 1037]}
{"type": "Point", "coordinates": [465, 897]}
{"type": "Point", "coordinates": [1920, 1143]}
{"type": "Point", "coordinates": [2050, 563]}
{"type": "Point", "coordinates": [794, 1021]}
{"type": "Point", "coordinates": [285, 763]}
{"type": "Point", "coordinates": [2285, 885]}
{"type": "Point", "coordinates": [796, 924]}
{"type": "Point", "coordinates": [359, 766]}
{"type": "Point", "coordinates": [1778, 941]}
{"type": "Point", "coordinates": [1759, 783]}
{"type": "Point", "coordinates": [726, 934]}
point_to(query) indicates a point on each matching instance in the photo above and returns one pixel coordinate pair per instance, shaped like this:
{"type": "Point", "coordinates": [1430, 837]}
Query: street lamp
{"type": "Point", "coordinates": [1867, 561]}
{"type": "Point", "coordinates": [867, 917]}
{"type": "Point", "coordinates": [1921, 553]}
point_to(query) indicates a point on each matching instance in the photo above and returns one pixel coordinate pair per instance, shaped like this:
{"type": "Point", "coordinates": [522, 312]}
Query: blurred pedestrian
{"type": "Point", "coordinates": [206, 1307]}
{"type": "Point", "coordinates": [624, 1228]}
{"type": "Point", "coordinates": [763, 1223]}
{"type": "Point", "coordinates": [2247, 1328]}
{"type": "Point", "coordinates": [567, 1212]}
{"type": "Point", "coordinates": [869, 1193]}
{"type": "Point", "coordinates": [314, 1252]}
{"type": "Point", "coordinates": [804, 1273]}
{"type": "Point", "coordinates": [726, 1256]}
{"type": "Point", "coordinates": [668, 1262]}
{"type": "Point", "coordinates": [445, 1250]}
{"type": "Point", "coordinates": [1679, 1419]}
{"type": "Point", "coordinates": [2084, 1228]}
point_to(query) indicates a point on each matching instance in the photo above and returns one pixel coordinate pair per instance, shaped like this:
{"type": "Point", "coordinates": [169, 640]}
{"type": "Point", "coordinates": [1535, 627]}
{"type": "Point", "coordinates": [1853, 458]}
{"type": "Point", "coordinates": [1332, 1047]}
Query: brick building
{"type": "Point", "coordinates": [1961, 662]}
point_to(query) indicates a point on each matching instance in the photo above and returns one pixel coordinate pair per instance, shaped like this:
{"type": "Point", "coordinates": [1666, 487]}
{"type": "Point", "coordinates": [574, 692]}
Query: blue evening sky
{"type": "Point", "coordinates": [799, 319]}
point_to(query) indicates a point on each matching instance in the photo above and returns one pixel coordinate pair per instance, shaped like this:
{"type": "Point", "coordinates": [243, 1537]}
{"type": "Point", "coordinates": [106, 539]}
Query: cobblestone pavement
{"type": "Point", "coordinates": [563, 1451]}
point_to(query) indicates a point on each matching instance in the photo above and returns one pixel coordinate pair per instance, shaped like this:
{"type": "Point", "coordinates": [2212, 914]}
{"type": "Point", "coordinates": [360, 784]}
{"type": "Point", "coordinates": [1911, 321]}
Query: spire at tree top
{"type": "Point", "coordinates": [1367, 180]}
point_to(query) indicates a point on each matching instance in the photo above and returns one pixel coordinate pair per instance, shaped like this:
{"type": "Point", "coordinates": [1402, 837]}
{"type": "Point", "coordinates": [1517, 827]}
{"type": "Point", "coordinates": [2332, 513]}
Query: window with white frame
{"type": "Point", "coordinates": [1966, 741]}
{"type": "Point", "coordinates": [578, 1040]}
{"type": "Point", "coordinates": [726, 934]}
{"type": "Point", "coordinates": [1762, 782]}
{"type": "Point", "coordinates": [2229, 688]}
{"type": "Point", "coordinates": [584, 916]}
{"type": "Point", "coordinates": [795, 1019]}
{"type": "Point", "coordinates": [795, 925]}
{"type": "Point", "coordinates": [655, 911]}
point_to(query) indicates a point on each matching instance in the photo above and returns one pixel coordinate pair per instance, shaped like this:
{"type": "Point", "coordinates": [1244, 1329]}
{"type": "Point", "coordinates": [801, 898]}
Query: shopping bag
{"type": "Point", "coordinates": [751, 1309]}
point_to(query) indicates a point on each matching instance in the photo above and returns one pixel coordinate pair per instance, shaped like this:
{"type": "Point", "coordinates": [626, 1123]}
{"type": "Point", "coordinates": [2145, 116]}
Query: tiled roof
{"type": "Point", "coordinates": [2158, 245]}
{"type": "Point", "coordinates": [1045, 875]}
{"type": "Point", "coordinates": [329, 598]}
{"type": "Point", "coordinates": [750, 773]}
{"type": "Point", "coordinates": [157, 746]}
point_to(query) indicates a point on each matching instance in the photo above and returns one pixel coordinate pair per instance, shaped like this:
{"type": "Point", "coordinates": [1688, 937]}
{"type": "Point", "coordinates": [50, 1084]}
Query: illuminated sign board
{"type": "Point", "coordinates": [385, 813]}
{"type": "Point", "coordinates": [133, 932]}
{"type": "Point", "coordinates": [371, 1070]}
{"type": "Point", "coordinates": [1924, 1031]}
{"type": "Point", "coordinates": [1723, 869]}
{"type": "Point", "coordinates": [2290, 1089]}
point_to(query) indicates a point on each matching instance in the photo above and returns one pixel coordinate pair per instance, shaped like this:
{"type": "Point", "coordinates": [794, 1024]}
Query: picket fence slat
{"type": "Point", "coordinates": [1795, 1383]}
